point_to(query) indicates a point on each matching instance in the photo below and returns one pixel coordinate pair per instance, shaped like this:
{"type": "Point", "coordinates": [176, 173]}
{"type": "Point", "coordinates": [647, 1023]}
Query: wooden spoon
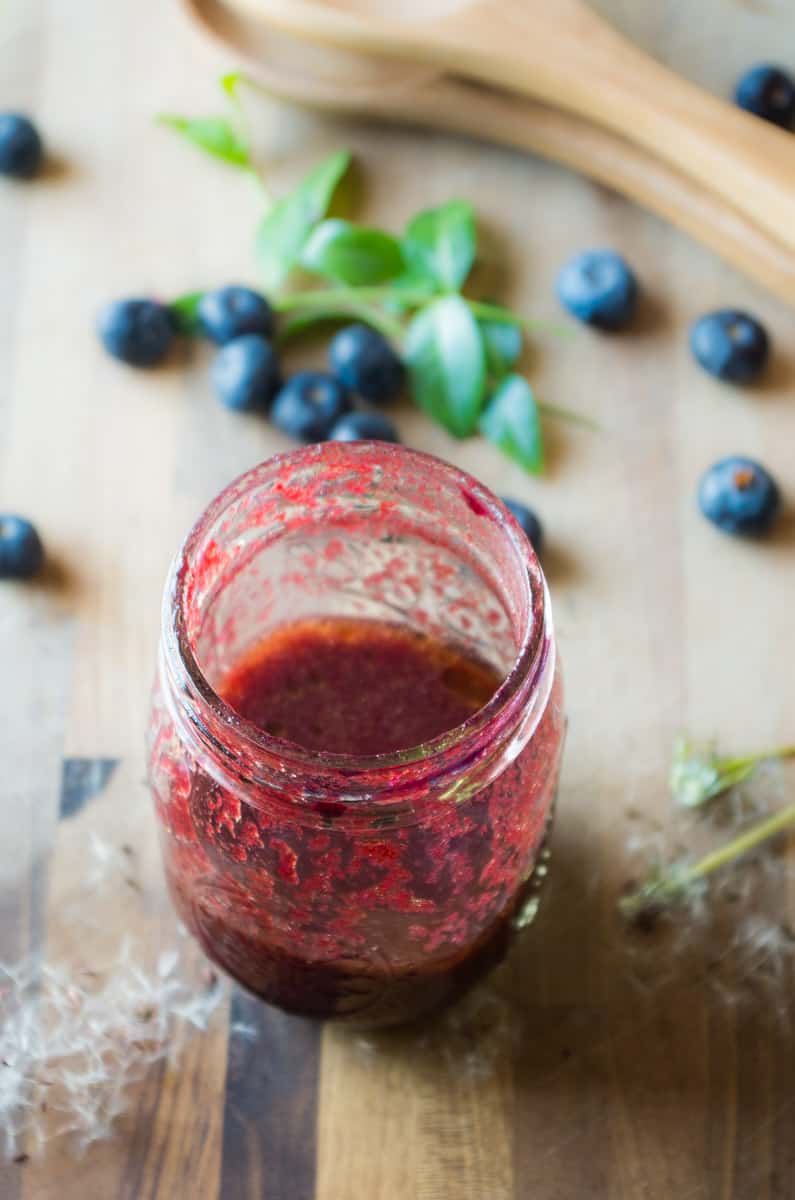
{"type": "Point", "coordinates": [360, 85]}
{"type": "Point", "coordinates": [562, 52]}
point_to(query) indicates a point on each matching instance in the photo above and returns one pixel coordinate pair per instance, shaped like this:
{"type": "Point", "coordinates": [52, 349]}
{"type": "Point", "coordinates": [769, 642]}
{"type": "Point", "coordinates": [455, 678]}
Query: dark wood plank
{"type": "Point", "coordinates": [270, 1120]}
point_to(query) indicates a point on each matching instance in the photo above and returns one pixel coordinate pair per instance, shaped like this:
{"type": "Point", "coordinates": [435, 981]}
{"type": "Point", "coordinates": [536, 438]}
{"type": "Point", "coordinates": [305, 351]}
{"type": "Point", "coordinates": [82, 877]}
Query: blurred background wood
{"type": "Point", "coordinates": [560, 1079]}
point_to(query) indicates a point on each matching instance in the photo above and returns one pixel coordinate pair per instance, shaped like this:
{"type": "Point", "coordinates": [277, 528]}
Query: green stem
{"type": "Point", "coordinates": [752, 760]}
{"type": "Point", "coordinates": [504, 316]}
{"type": "Point", "coordinates": [331, 297]}
{"type": "Point", "coordinates": [566, 414]}
{"type": "Point", "coordinates": [264, 193]}
{"type": "Point", "coordinates": [344, 306]}
{"type": "Point", "coordinates": [740, 845]}
{"type": "Point", "coordinates": [231, 82]}
{"type": "Point", "coordinates": [229, 85]}
{"type": "Point", "coordinates": [670, 887]}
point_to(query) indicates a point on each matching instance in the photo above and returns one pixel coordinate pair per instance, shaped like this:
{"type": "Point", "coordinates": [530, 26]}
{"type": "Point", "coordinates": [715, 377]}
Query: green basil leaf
{"type": "Point", "coordinates": [185, 311]}
{"type": "Point", "coordinates": [352, 255]}
{"type": "Point", "coordinates": [447, 365]}
{"type": "Point", "coordinates": [442, 242]}
{"type": "Point", "coordinates": [215, 135]}
{"type": "Point", "coordinates": [284, 229]}
{"type": "Point", "coordinates": [503, 343]}
{"type": "Point", "coordinates": [512, 422]}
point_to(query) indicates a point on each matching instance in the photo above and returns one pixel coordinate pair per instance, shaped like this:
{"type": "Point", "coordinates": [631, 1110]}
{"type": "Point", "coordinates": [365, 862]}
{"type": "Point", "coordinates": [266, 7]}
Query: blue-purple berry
{"type": "Point", "coordinates": [528, 521]}
{"type": "Point", "coordinates": [366, 363]}
{"type": "Point", "coordinates": [739, 496]}
{"type": "Point", "coordinates": [21, 551]}
{"type": "Point", "coordinates": [731, 345]}
{"type": "Point", "coordinates": [138, 332]}
{"type": "Point", "coordinates": [245, 373]}
{"type": "Point", "coordinates": [364, 427]}
{"type": "Point", "coordinates": [768, 92]}
{"type": "Point", "coordinates": [598, 288]}
{"type": "Point", "coordinates": [309, 405]}
{"type": "Point", "coordinates": [21, 150]}
{"type": "Point", "coordinates": [229, 312]}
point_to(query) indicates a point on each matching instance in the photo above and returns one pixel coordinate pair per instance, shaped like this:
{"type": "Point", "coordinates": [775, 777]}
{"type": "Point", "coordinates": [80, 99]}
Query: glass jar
{"type": "Point", "coordinates": [370, 889]}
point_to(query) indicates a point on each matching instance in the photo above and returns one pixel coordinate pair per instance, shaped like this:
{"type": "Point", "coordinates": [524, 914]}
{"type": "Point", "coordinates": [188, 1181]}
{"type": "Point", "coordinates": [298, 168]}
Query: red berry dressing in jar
{"type": "Point", "coordinates": [353, 686]}
{"type": "Point", "coordinates": [356, 731]}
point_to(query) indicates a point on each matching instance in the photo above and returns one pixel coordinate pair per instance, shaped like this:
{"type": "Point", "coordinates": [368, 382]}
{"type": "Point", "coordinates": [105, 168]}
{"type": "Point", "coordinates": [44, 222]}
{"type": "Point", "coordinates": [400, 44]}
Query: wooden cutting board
{"type": "Point", "coordinates": [561, 1078]}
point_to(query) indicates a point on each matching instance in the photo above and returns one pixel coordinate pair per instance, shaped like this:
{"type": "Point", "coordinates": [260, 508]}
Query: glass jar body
{"type": "Point", "coordinates": [369, 891]}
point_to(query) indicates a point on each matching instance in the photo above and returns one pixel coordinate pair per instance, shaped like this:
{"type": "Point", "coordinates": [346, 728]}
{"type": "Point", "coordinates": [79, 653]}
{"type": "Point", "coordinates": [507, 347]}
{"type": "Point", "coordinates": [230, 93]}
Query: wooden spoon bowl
{"type": "Point", "coordinates": [360, 85]}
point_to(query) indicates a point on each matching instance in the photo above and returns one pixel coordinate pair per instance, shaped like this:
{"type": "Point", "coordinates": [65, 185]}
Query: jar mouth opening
{"type": "Point", "coordinates": [214, 716]}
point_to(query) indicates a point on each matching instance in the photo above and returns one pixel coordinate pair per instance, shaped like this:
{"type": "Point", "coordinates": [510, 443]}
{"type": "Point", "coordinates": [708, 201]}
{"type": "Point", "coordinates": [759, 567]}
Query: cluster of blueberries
{"type": "Point", "coordinates": [311, 406]}
{"type": "Point", "coordinates": [597, 287]}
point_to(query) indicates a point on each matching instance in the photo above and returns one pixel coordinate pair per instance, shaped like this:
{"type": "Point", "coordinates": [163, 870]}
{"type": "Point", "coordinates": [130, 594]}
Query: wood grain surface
{"type": "Point", "coordinates": [560, 1078]}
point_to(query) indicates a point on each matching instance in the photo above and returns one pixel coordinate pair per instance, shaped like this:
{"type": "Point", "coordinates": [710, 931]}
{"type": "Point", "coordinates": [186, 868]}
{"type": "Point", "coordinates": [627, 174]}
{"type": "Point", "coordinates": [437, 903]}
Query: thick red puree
{"type": "Point", "coordinates": [347, 686]}
{"type": "Point", "coordinates": [371, 918]}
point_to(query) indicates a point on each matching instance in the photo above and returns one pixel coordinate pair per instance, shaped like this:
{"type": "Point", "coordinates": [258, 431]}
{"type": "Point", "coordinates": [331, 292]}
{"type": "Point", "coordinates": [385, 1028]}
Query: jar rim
{"type": "Point", "coordinates": [288, 758]}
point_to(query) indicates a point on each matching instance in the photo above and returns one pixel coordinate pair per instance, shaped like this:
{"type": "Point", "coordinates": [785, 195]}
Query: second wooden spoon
{"type": "Point", "coordinates": [562, 52]}
{"type": "Point", "coordinates": [361, 85]}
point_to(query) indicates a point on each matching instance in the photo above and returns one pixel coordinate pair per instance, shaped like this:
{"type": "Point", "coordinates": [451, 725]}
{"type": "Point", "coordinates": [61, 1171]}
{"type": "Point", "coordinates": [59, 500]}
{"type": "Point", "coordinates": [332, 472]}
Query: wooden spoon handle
{"type": "Point", "coordinates": [561, 52]}
{"type": "Point", "coordinates": [574, 60]}
{"type": "Point", "coordinates": [617, 163]}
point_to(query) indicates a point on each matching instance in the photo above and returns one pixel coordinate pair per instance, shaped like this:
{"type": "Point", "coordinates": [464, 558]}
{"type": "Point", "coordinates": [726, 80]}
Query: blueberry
{"type": "Point", "coordinates": [366, 363]}
{"type": "Point", "coordinates": [598, 288]}
{"type": "Point", "coordinates": [245, 373]}
{"type": "Point", "coordinates": [730, 345]}
{"type": "Point", "coordinates": [21, 150]}
{"type": "Point", "coordinates": [139, 332]}
{"type": "Point", "coordinates": [21, 551]}
{"type": "Point", "coordinates": [739, 496]}
{"type": "Point", "coordinates": [309, 406]}
{"type": "Point", "coordinates": [231, 311]}
{"type": "Point", "coordinates": [364, 427]}
{"type": "Point", "coordinates": [528, 521]}
{"type": "Point", "coordinates": [767, 92]}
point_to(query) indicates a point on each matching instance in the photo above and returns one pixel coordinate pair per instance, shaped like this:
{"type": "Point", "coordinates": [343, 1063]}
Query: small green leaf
{"type": "Point", "coordinates": [230, 83]}
{"type": "Point", "coordinates": [185, 311]}
{"type": "Point", "coordinates": [512, 422]}
{"type": "Point", "coordinates": [284, 229]}
{"type": "Point", "coordinates": [215, 135]}
{"type": "Point", "coordinates": [441, 243]}
{"type": "Point", "coordinates": [503, 344]}
{"type": "Point", "coordinates": [447, 365]}
{"type": "Point", "coordinates": [352, 255]}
